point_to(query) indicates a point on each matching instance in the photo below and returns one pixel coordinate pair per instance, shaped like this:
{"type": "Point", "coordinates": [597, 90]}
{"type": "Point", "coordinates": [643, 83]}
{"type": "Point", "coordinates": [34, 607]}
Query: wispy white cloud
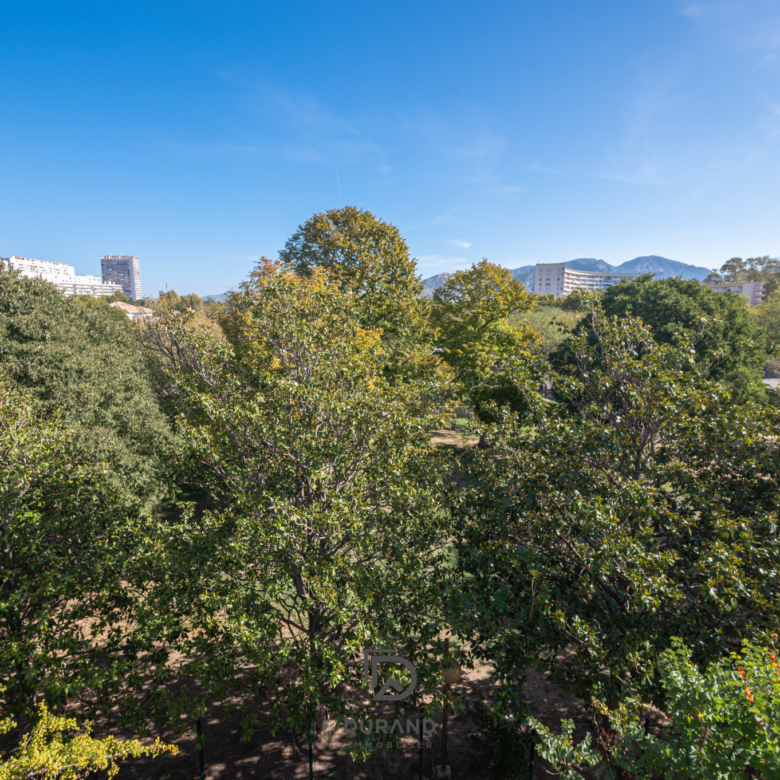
{"type": "Point", "coordinates": [504, 190]}
{"type": "Point", "coordinates": [536, 168]}
{"type": "Point", "coordinates": [676, 130]}
{"type": "Point", "coordinates": [298, 127]}
{"type": "Point", "coordinates": [694, 10]}
{"type": "Point", "coordinates": [641, 158]}
{"type": "Point", "coordinates": [472, 141]}
{"type": "Point", "coordinates": [319, 136]}
{"type": "Point", "coordinates": [438, 219]}
{"type": "Point", "coordinates": [467, 156]}
{"type": "Point", "coordinates": [469, 153]}
{"type": "Point", "coordinates": [649, 171]}
{"type": "Point", "coordinates": [436, 264]}
{"type": "Point", "coordinates": [460, 242]}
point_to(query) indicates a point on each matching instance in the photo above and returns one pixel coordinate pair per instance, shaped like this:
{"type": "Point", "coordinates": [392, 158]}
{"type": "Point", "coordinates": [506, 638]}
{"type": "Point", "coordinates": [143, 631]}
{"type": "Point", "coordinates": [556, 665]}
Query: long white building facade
{"type": "Point", "coordinates": [558, 280]}
{"type": "Point", "coordinates": [753, 290]}
{"type": "Point", "coordinates": [62, 275]}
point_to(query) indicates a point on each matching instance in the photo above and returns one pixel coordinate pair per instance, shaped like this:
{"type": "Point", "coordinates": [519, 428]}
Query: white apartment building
{"type": "Point", "coordinates": [48, 271]}
{"type": "Point", "coordinates": [124, 270]}
{"type": "Point", "coordinates": [62, 275]}
{"type": "Point", "coordinates": [753, 290]}
{"type": "Point", "coordinates": [558, 280]}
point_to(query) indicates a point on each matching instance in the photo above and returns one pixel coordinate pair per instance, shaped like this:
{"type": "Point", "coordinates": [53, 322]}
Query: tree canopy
{"type": "Point", "coordinates": [235, 501]}
{"type": "Point", "coordinates": [472, 313]}
{"type": "Point", "coordinates": [641, 509]}
{"type": "Point", "coordinates": [323, 527]}
{"type": "Point", "coordinates": [768, 317]}
{"type": "Point", "coordinates": [726, 337]}
{"type": "Point", "coordinates": [62, 528]}
{"type": "Point", "coordinates": [366, 256]}
{"type": "Point", "coordinates": [82, 360]}
{"type": "Point", "coordinates": [754, 269]}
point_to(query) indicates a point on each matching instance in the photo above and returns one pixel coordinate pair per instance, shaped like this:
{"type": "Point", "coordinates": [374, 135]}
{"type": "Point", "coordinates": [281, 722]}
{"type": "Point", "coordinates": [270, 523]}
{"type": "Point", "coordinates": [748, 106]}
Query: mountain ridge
{"type": "Point", "coordinates": [662, 267]}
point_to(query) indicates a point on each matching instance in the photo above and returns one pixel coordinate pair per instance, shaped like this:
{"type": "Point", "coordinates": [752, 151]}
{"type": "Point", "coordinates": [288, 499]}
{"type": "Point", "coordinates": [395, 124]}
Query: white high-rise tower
{"type": "Point", "coordinates": [125, 271]}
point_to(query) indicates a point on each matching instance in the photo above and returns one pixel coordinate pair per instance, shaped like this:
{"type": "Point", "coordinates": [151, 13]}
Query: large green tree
{"type": "Point", "coordinates": [727, 339]}
{"type": "Point", "coordinates": [82, 361]}
{"type": "Point", "coordinates": [366, 256]}
{"type": "Point", "coordinates": [480, 338]}
{"type": "Point", "coordinates": [644, 507]}
{"type": "Point", "coordinates": [322, 525]}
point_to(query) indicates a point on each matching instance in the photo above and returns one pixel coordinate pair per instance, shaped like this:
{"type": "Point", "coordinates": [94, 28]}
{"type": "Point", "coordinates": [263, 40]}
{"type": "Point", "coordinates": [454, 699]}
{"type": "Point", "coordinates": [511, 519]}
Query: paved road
{"type": "Point", "coordinates": [772, 383]}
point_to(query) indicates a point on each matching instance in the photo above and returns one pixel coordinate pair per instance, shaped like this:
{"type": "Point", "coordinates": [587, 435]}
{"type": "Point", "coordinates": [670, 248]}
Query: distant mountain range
{"type": "Point", "coordinates": [662, 267]}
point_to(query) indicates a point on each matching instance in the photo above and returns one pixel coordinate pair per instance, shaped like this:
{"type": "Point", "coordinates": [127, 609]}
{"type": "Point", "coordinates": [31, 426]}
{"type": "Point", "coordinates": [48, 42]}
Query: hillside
{"type": "Point", "coordinates": [589, 264]}
{"type": "Point", "coordinates": [433, 282]}
{"type": "Point", "coordinates": [526, 275]}
{"type": "Point", "coordinates": [663, 268]}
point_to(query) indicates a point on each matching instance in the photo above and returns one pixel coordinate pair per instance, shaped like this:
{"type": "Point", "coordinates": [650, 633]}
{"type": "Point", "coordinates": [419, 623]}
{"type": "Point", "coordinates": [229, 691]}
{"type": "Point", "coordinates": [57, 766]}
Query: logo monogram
{"type": "Point", "coordinates": [385, 693]}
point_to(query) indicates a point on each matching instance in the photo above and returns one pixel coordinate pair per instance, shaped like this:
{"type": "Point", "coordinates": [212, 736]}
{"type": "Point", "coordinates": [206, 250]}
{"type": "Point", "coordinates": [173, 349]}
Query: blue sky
{"type": "Point", "coordinates": [198, 135]}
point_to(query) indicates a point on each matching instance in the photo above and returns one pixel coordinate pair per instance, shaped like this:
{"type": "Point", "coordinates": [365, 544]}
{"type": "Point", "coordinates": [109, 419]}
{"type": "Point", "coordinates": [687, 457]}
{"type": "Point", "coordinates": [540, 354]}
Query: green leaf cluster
{"type": "Point", "coordinates": [367, 257]}
{"type": "Point", "coordinates": [726, 338]}
{"type": "Point", "coordinates": [477, 334]}
{"type": "Point", "coordinates": [65, 538]}
{"type": "Point", "coordinates": [725, 723]}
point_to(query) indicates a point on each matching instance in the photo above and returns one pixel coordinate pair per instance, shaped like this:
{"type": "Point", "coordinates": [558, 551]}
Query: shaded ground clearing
{"type": "Point", "coordinates": [457, 436]}
{"type": "Point", "coordinates": [285, 756]}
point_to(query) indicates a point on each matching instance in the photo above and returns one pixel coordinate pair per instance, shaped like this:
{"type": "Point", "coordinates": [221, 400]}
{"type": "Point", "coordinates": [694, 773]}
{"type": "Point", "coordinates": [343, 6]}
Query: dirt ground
{"type": "Point", "coordinates": [454, 438]}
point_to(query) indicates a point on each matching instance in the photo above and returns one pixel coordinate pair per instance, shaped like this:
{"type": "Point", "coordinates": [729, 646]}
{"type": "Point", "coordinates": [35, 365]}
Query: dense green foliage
{"type": "Point", "coordinates": [369, 258]}
{"type": "Point", "coordinates": [472, 313]}
{"type": "Point", "coordinates": [725, 723]}
{"type": "Point", "coordinates": [63, 531]}
{"type": "Point", "coordinates": [643, 508]}
{"type": "Point", "coordinates": [83, 362]}
{"type": "Point", "coordinates": [365, 256]}
{"type": "Point", "coordinates": [283, 439]}
{"type": "Point", "coordinates": [726, 338]}
{"type": "Point", "coordinates": [170, 300]}
{"type": "Point", "coordinates": [768, 317]}
{"type": "Point", "coordinates": [550, 325]}
{"type": "Point", "coordinates": [323, 527]}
